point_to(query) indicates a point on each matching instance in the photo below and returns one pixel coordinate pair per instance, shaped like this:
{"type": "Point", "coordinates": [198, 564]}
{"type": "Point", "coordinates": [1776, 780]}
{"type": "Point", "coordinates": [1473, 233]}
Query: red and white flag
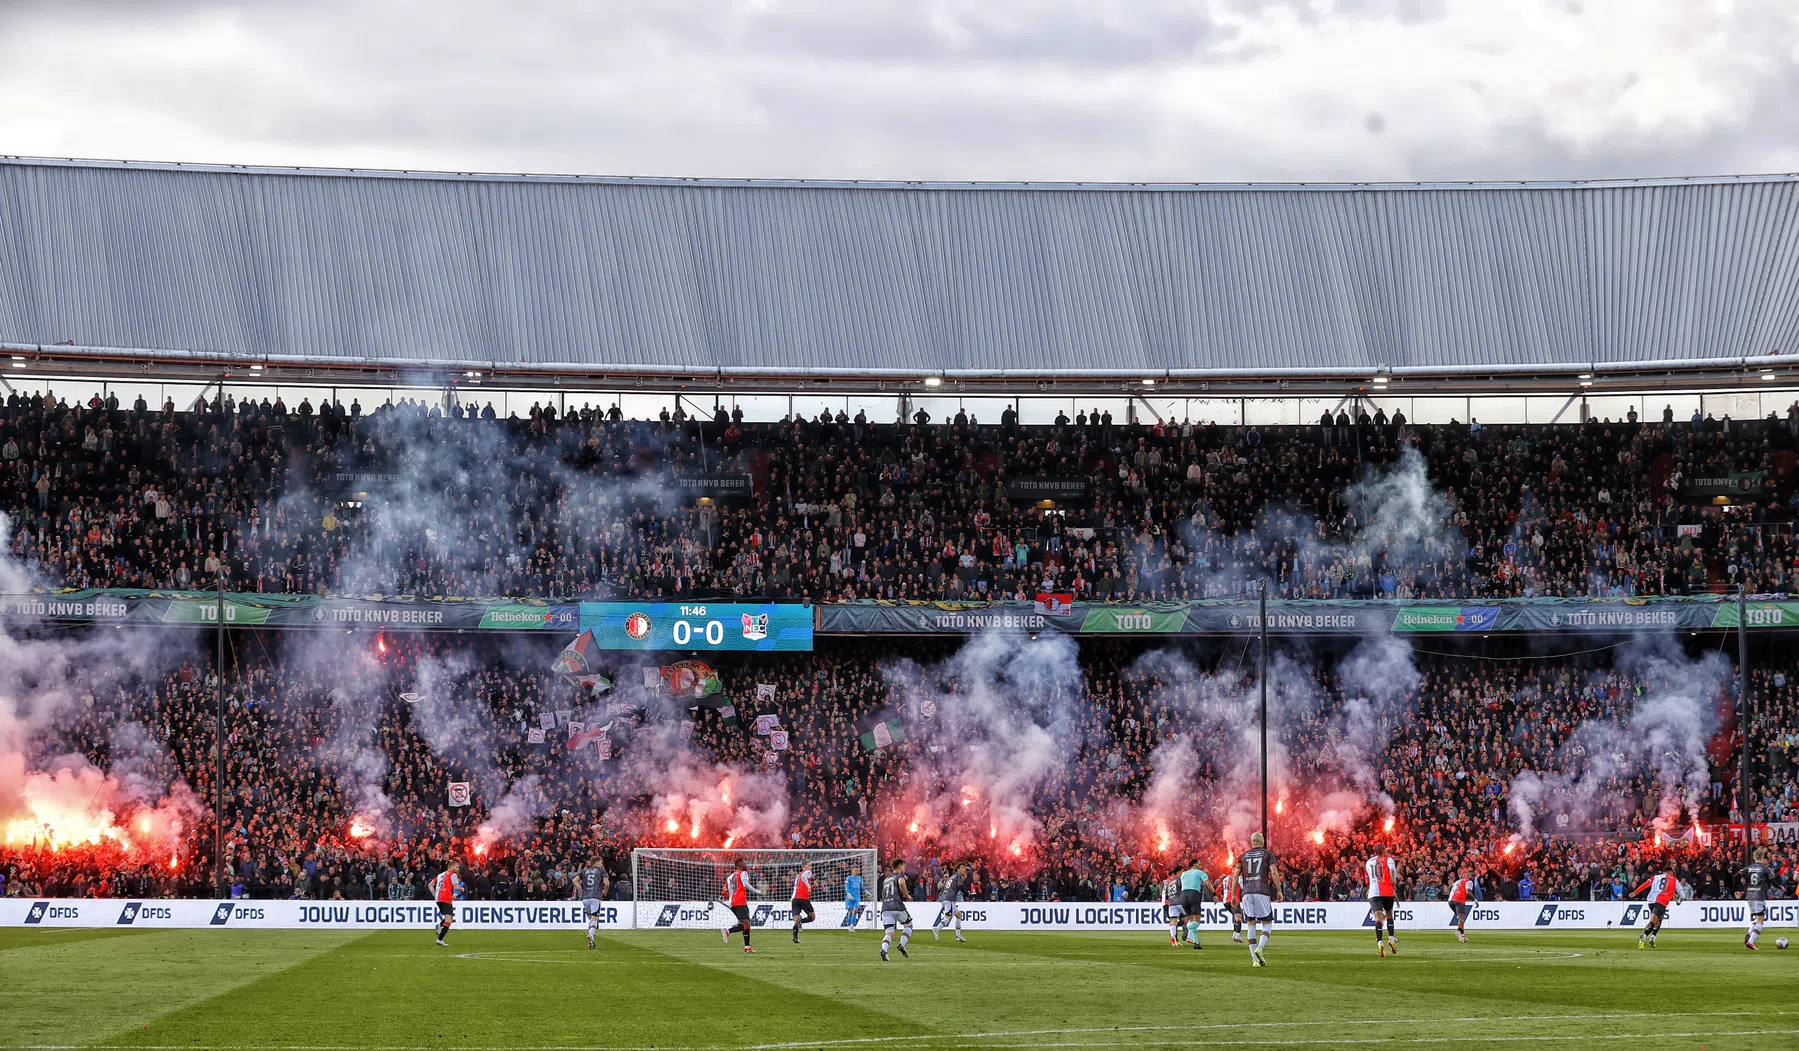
{"type": "Point", "coordinates": [1055, 603]}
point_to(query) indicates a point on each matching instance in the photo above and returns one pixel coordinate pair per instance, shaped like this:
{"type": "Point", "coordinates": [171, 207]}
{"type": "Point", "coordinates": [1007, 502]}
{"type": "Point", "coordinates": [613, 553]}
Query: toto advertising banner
{"type": "Point", "coordinates": [727, 625]}
{"type": "Point", "coordinates": [1307, 617]}
{"type": "Point", "coordinates": [977, 915]}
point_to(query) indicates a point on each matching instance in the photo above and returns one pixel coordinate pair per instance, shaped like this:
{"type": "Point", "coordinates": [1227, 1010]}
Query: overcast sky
{"type": "Point", "coordinates": [1185, 90]}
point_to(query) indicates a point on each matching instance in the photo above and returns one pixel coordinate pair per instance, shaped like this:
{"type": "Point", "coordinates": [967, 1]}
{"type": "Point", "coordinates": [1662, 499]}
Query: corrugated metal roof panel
{"type": "Point", "coordinates": [675, 274]}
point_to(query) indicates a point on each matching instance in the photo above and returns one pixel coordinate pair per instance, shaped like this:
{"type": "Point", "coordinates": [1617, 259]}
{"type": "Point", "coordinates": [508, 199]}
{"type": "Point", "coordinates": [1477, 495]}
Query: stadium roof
{"type": "Point", "coordinates": [759, 278]}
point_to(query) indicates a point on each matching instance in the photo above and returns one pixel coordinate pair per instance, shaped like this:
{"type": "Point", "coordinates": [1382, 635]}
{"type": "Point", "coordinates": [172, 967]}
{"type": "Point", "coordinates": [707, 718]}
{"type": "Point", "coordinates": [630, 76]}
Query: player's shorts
{"type": "Point", "coordinates": [1192, 902]}
{"type": "Point", "coordinates": [742, 912]}
{"type": "Point", "coordinates": [1235, 908]}
{"type": "Point", "coordinates": [804, 905]}
{"type": "Point", "coordinates": [446, 911]}
{"type": "Point", "coordinates": [1258, 908]}
{"type": "Point", "coordinates": [1658, 910]}
{"type": "Point", "coordinates": [1172, 910]}
{"type": "Point", "coordinates": [1458, 911]}
{"type": "Point", "coordinates": [901, 918]}
{"type": "Point", "coordinates": [851, 905]}
{"type": "Point", "coordinates": [1757, 909]}
{"type": "Point", "coordinates": [592, 905]}
{"type": "Point", "coordinates": [1381, 904]}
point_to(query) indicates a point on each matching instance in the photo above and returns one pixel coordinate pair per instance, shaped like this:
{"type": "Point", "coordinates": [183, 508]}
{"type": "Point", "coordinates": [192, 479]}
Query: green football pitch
{"type": "Point", "coordinates": [310, 991]}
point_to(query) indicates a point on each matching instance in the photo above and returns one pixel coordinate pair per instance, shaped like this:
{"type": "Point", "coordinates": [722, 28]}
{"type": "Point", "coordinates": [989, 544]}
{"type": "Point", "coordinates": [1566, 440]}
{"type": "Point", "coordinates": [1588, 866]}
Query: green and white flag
{"type": "Point", "coordinates": [881, 730]}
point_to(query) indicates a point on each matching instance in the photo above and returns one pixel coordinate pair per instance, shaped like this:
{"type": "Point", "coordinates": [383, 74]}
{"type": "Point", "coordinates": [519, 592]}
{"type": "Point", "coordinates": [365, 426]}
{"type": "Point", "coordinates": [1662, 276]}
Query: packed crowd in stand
{"type": "Point", "coordinates": [308, 717]}
{"type": "Point", "coordinates": [407, 500]}
{"type": "Point", "coordinates": [410, 500]}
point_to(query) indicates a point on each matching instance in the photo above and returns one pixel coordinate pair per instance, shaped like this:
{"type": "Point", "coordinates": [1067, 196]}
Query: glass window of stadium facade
{"type": "Point", "coordinates": [647, 403]}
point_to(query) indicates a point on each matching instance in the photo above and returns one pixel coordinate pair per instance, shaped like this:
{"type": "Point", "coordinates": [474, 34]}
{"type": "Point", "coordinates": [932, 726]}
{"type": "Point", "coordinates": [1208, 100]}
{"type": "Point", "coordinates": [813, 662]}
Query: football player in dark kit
{"type": "Point", "coordinates": [1260, 879]}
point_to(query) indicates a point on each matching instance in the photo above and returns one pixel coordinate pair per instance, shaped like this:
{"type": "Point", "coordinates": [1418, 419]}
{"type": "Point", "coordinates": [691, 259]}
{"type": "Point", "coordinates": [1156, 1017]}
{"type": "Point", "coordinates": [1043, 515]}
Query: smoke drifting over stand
{"type": "Point", "coordinates": [63, 695]}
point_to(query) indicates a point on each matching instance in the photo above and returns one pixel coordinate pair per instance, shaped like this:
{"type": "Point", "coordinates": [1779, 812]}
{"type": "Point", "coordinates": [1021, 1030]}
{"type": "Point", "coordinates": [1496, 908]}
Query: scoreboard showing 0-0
{"type": "Point", "coordinates": [698, 625]}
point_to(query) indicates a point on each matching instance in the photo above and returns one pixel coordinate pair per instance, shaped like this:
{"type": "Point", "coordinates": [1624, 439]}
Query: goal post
{"type": "Point", "coordinates": [680, 889]}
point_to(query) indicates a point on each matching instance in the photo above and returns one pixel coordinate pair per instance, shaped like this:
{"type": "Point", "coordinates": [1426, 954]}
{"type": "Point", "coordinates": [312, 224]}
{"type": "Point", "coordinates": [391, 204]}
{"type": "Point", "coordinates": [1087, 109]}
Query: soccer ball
{"type": "Point", "coordinates": [1780, 943]}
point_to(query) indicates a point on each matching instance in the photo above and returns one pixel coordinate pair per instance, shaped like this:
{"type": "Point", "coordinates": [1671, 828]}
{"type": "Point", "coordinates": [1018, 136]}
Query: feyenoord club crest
{"type": "Point", "coordinates": [637, 626]}
{"type": "Point", "coordinates": [755, 626]}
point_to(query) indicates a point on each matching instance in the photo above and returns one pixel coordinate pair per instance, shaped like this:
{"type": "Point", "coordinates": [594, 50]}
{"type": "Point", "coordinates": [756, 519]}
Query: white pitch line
{"type": "Point", "coordinates": [932, 1038]}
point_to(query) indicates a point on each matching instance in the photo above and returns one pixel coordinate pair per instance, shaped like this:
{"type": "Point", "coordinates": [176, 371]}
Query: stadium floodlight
{"type": "Point", "coordinates": [255, 368]}
{"type": "Point", "coordinates": [1380, 381]}
{"type": "Point", "coordinates": [1148, 382]}
{"type": "Point", "coordinates": [933, 381]}
{"type": "Point", "coordinates": [1767, 374]}
{"type": "Point", "coordinates": [1586, 375]}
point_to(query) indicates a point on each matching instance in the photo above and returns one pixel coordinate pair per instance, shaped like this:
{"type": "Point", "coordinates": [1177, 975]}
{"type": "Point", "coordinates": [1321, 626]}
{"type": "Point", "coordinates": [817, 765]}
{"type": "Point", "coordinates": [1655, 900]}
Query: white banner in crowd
{"type": "Point", "coordinates": [977, 915]}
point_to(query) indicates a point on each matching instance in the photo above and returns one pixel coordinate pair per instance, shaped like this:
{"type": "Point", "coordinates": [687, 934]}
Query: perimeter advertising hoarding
{"type": "Point", "coordinates": [1625, 916]}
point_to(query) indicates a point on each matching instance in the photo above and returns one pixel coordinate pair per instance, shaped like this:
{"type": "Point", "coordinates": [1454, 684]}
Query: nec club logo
{"type": "Point", "coordinates": [755, 626]}
{"type": "Point", "coordinates": [667, 917]}
{"type": "Point", "coordinates": [637, 625]}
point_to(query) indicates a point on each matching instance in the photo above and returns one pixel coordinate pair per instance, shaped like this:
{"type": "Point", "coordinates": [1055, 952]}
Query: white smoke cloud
{"type": "Point", "coordinates": [1007, 720]}
{"type": "Point", "coordinates": [1672, 714]}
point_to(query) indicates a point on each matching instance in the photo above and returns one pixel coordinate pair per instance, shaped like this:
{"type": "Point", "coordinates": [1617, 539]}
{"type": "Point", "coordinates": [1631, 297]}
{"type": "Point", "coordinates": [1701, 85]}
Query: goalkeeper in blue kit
{"type": "Point", "coordinates": [852, 898]}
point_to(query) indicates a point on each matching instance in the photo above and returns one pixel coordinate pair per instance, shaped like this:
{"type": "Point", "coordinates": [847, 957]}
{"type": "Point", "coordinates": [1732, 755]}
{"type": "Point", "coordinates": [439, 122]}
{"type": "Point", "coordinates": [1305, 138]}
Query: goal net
{"type": "Point", "coordinates": [683, 888]}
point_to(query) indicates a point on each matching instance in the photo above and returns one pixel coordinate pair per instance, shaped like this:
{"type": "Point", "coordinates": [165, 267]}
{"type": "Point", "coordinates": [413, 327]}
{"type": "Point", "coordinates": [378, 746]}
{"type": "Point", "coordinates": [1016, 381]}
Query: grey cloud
{"type": "Point", "coordinates": [942, 89]}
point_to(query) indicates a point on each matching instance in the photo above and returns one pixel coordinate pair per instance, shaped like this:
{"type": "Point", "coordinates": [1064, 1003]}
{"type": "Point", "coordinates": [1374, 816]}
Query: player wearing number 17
{"type": "Point", "coordinates": [1260, 879]}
